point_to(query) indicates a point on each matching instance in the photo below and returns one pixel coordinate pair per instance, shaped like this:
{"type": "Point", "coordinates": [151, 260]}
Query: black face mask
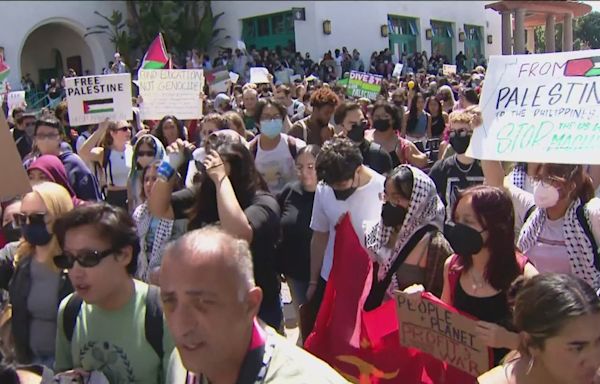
{"type": "Point", "coordinates": [393, 216]}
{"type": "Point", "coordinates": [381, 125]}
{"type": "Point", "coordinates": [36, 234]}
{"type": "Point", "coordinates": [460, 143]}
{"type": "Point", "coordinates": [357, 133]}
{"type": "Point", "coordinates": [11, 233]}
{"type": "Point", "coordinates": [464, 240]}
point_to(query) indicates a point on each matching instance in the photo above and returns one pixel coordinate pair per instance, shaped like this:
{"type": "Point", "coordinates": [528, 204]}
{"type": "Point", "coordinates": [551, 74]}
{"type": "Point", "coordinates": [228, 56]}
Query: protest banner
{"type": "Point", "coordinates": [398, 70]}
{"type": "Point", "coordinates": [171, 92]}
{"type": "Point", "coordinates": [93, 99]}
{"type": "Point", "coordinates": [14, 180]}
{"type": "Point", "coordinates": [16, 99]}
{"type": "Point", "coordinates": [258, 75]}
{"type": "Point", "coordinates": [448, 69]}
{"type": "Point", "coordinates": [439, 330]}
{"type": "Point", "coordinates": [540, 108]}
{"type": "Point", "coordinates": [363, 84]}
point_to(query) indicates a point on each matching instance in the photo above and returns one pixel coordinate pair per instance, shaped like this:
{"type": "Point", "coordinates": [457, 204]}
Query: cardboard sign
{"type": "Point", "coordinates": [233, 77]}
{"type": "Point", "coordinates": [398, 70]}
{"type": "Point", "coordinates": [439, 330]}
{"type": "Point", "coordinates": [93, 99]}
{"type": "Point", "coordinates": [171, 92]}
{"type": "Point", "coordinates": [16, 99]}
{"type": "Point", "coordinates": [541, 108]}
{"type": "Point", "coordinates": [14, 177]}
{"type": "Point", "coordinates": [363, 84]}
{"type": "Point", "coordinates": [448, 69]}
{"type": "Point", "coordinates": [258, 75]}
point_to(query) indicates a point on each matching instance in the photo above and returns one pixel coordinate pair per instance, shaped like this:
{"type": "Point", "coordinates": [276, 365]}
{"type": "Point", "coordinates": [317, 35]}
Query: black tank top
{"type": "Point", "coordinates": [437, 126]}
{"type": "Point", "coordinates": [493, 309]}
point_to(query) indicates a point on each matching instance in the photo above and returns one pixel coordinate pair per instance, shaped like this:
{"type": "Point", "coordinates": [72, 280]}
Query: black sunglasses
{"type": "Point", "coordinates": [123, 129]}
{"type": "Point", "coordinates": [146, 153]}
{"type": "Point", "coordinates": [21, 219]}
{"type": "Point", "coordinates": [86, 258]}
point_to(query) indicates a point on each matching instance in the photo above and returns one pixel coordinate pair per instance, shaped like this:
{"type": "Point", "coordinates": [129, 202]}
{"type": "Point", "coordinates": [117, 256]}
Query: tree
{"type": "Point", "coordinates": [116, 32]}
{"type": "Point", "coordinates": [587, 30]}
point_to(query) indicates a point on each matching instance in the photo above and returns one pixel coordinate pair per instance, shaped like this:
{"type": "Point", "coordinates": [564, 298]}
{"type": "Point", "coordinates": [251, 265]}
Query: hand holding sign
{"type": "Point", "coordinates": [495, 336]}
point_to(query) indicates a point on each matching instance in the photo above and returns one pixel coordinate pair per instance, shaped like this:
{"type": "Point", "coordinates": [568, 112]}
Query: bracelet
{"type": "Point", "coordinates": [313, 283]}
{"type": "Point", "coordinates": [165, 171]}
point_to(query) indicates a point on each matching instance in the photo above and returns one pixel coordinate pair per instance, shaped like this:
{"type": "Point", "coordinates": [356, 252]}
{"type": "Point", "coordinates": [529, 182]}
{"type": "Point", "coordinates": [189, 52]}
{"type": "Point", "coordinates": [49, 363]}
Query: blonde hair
{"type": "Point", "coordinates": [461, 117]}
{"type": "Point", "coordinates": [58, 201]}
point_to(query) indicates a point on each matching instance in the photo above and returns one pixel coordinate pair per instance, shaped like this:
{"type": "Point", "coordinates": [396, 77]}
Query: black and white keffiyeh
{"type": "Point", "coordinates": [425, 208]}
{"type": "Point", "coordinates": [579, 248]}
{"type": "Point", "coordinates": [149, 259]}
{"type": "Point", "coordinates": [519, 175]}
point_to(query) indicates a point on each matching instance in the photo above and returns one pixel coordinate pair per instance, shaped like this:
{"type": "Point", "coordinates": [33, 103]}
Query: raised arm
{"type": "Point", "coordinates": [90, 151]}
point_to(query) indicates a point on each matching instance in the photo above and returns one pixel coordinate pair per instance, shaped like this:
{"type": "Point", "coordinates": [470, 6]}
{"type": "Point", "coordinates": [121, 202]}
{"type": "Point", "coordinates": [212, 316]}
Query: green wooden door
{"type": "Point", "coordinates": [441, 42]}
{"type": "Point", "coordinates": [403, 34]}
{"type": "Point", "coordinates": [473, 43]}
{"type": "Point", "coordinates": [269, 31]}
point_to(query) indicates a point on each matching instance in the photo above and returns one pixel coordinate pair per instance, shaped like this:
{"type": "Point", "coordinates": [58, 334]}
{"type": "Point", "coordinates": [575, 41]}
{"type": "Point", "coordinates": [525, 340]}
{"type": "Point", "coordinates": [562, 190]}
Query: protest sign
{"type": "Point", "coordinates": [171, 92]}
{"type": "Point", "coordinates": [16, 99]}
{"type": "Point", "coordinates": [398, 70]}
{"type": "Point", "coordinates": [284, 75]}
{"type": "Point", "coordinates": [14, 178]}
{"type": "Point", "coordinates": [448, 69]}
{"type": "Point", "coordinates": [93, 99]}
{"type": "Point", "coordinates": [541, 108]}
{"type": "Point", "coordinates": [364, 85]}
{"type": "Point", "coordinates": [439, 330]}
{"type": "Point", "coordinates": [294, 78]}
{"type": "Point", "coordinates": [258, 75]}
{"type": "Point", "coordinates": [233, 77]}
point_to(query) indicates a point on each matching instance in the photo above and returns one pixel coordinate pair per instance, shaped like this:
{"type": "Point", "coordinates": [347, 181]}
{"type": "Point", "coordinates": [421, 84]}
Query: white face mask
{"type": "Point", "coordinates": [545, 195]}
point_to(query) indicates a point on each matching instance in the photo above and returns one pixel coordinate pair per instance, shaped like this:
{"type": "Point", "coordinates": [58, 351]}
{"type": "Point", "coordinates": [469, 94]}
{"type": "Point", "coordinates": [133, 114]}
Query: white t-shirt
{"type": "Point", "coordinates": [296, 108]}
{"type": "Point", "coordinates": [364, 206]}
{"type": "Point", "coordinates": [277, 166]}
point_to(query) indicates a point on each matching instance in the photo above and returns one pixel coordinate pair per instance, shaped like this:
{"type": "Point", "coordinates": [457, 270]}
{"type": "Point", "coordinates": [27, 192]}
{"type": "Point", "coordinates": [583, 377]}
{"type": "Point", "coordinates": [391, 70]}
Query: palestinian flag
{"type": "Point", "coordinates": [98, 106]}
{"type": "Point", "coordinates": [584, 67]}
{"type": "Point", "coordinates": [4, 70]}
{"type": "Point", "coordinates": [156, 57]}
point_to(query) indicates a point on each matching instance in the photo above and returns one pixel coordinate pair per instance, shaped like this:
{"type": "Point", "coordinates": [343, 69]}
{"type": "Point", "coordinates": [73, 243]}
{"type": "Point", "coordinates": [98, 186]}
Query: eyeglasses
{"type": "Point", "coordinates": [145, 153]}
{"type": "Point", "coordinates": [86, 258]}
{"type": "Point", "coordinates": [123, 129]}
{"type": "Point", "coordinates": [49, 136]}
{"type": "Point", "coordinates": [459, 133]}
{"type": "Point", "coordinates": [21, 219]}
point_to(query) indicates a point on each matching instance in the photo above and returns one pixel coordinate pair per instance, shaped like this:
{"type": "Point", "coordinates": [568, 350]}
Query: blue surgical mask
{"type": "Point", "coordinates": [271, 128]}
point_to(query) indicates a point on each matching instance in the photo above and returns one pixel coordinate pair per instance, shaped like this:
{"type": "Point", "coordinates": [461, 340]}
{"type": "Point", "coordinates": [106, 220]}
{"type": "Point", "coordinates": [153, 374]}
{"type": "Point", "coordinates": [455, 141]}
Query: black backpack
{"type": "Point", "coordinates": [153, 324]}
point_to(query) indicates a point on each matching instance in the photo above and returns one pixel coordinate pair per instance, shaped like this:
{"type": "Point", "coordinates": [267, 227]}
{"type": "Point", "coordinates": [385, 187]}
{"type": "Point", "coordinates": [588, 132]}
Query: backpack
{"type": "Point", "coordinates": [290, 142]}
{"type": "Point", "coordinates": [585, 225]}
{"type": "Point", "coordinates": [153, 324]}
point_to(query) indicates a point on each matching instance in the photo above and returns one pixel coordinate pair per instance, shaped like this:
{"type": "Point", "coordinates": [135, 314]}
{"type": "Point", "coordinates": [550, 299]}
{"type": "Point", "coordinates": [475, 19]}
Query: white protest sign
{"type": "Point", "coordinates": [397, 70]}
{"type": "Point", "coordinates": [283, 76]}
{"type": "Point", "coordinates": [220, 87]}
{"type": "Point", "coordinates": [258, 75]}
{"type": "Point", "coordinates": [233, 77]}
{"type": "Point", "coordinates": [540, 108]}
{"type": "Point", "coordinates": [448, 69]}
{"type": "Point", "coordinates": [93, 99]}
{"type": "Point", "coordinates": [16, 99]}
{"type": "Point", "coordinates": [171, 92]}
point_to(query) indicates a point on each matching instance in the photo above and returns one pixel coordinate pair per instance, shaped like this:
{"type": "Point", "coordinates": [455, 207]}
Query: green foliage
{"type": "Point", "coordinates": [587, 29]}
{"type": "Point", "coordinates": [116, 32]}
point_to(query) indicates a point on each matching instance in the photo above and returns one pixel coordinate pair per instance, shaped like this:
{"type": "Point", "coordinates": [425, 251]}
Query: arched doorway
{"type": "Point", "coordinates": [52, 48]}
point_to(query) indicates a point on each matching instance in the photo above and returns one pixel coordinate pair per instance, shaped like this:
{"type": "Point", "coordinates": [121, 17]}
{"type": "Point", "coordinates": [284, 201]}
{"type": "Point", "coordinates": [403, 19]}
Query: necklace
{"type": "Point", "coordinates": [478, 281]}
{"type": "Point", "coordinates": [462, 169]}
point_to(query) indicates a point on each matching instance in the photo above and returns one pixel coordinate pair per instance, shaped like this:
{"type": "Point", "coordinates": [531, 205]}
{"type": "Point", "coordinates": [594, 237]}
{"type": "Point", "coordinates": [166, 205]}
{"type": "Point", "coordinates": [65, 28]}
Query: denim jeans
{"type": "Point", "coordinates": [272, 314]}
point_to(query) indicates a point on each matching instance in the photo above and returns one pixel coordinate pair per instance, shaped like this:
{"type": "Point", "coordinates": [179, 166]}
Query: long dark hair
{"type": "Point", "coordinates": [494, 211]}
{"type": "Point", "coordinates": [391, 110]}
{"type": "Point", "coordinates": [411, 124]}
{"type": "Point", "coordinates": [158, 131]}
{"type": "Point", "coordinates": [245, 179]}
{"type": "Point", "coordinates": [403, 180]}
{"type": "Point", "coordinates": [439, 104]}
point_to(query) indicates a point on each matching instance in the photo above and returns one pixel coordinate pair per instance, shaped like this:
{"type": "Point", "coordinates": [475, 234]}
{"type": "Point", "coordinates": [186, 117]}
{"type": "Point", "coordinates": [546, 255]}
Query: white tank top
{"type": "Point", "coordinates": [118, 167]}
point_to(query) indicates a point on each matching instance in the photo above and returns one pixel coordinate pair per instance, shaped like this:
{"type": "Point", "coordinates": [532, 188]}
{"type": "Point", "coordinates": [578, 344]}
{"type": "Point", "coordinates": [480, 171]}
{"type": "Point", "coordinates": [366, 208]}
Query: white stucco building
{"type": "Point", "coordinates": [445, 26]}
{"type": "Point", "coordinates": [35, 35]}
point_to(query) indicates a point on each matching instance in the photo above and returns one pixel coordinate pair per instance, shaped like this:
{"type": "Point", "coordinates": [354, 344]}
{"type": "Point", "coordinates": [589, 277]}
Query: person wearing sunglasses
{"type": "Point", "coordinates": [109, 150]}
{"type": "Point", "coordinates": [112, 323]}
{"type": "Point", "coordinates": [22, 137]}
{"type": "Point", "coordinates": [34, 284]}
{"type": "Point", "coordinates": [49, 140]}
{"type": "Point", "coordinates": [146, 150]}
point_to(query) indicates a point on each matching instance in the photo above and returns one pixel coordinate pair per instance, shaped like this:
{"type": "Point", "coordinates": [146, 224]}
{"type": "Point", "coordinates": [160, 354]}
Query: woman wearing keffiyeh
{"type": "Point", "coordinates": [411, 203]}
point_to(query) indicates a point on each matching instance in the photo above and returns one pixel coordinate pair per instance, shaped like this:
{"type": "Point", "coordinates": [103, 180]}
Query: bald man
{"type": "Point", "coordinates": [211, 302]}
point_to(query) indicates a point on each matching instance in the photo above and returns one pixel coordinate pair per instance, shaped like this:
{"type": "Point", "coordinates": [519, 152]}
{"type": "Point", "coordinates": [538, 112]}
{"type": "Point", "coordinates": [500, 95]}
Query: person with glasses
{"type": "Point", "coordinates": [146, 150]}
{"type": "Point", "coordinates": [35, 285]}
{"type": "Point", "coordinates": [48, 140]}
{"type": "Point", "coordinates": [22, 132]}
{"type": "Point", "coordinates": [112, 323]}
{"type": "Point", "coordinates": [109, 150]}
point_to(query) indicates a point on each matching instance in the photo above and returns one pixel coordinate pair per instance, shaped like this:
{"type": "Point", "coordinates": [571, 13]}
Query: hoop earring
{"type": "Point", "coordinates": [530, 365]}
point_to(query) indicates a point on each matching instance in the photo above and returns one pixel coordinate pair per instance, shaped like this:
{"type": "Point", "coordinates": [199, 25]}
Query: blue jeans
{"type": "Point", "coordinates": [272, 314]}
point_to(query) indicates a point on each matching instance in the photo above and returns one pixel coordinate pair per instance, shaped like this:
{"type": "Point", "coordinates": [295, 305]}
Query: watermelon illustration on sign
{"type": "Point", "coordinates": [4, 70]}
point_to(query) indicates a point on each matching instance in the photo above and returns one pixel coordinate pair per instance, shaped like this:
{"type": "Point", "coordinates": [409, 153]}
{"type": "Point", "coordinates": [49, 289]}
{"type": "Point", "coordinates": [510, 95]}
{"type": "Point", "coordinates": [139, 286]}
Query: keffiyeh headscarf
{"type": "Point", "coordinates": [519, 175]}
{"type": "Point", "coordinates": [149, 259]}
{"type": "Point", "coordinates": [135, 174]}
{"type": "Point", "coordinates": [579, 247]}
{"type": "Point", "coordinates": [425, 208]}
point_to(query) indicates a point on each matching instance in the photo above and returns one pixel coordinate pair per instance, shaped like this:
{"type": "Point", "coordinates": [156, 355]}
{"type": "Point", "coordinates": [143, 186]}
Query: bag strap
{"type": "Point", "coordinates": [292, 147]}
{"type": "Point", "coordinates": [70, 314]}
{"type": "Point", "coordinates": [585, 225]}
{"type": "Point", "coordinates": [153, 323]}
{"type": "Point", "coordinates": [253, 148]}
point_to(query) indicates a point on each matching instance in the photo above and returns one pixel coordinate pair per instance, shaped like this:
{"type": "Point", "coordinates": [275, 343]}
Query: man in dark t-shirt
{"type": "Point", "coordinates": [316, 129]}
{"type": "Point", "coordinates": [22, 133]}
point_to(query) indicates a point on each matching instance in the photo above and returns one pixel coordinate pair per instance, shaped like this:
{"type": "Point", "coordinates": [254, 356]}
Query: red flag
{"type": "Point", "coordinates": [365, 346]}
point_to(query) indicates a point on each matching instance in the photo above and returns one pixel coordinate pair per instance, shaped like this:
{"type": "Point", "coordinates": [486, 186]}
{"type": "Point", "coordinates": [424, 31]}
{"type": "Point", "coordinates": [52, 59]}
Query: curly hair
{"type": "Point", "coordinates": [324, 97]}
{"type": "Point", "coordinates": [338, 160]}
